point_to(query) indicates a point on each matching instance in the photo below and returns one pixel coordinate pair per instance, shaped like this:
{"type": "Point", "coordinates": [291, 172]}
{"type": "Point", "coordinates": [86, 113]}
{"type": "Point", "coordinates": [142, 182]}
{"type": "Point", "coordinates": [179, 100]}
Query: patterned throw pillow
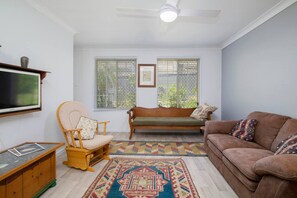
{"type": "Point", "coordinates": [196, 112]}
{"type": "Point", "coordinates": [202, 114]}
{"type": "Point", "coordinates": [287, 146]}
{"type": "Point", "coordinates": [88, 127]}
{"type": "Point", "coordinates": [244, 129]}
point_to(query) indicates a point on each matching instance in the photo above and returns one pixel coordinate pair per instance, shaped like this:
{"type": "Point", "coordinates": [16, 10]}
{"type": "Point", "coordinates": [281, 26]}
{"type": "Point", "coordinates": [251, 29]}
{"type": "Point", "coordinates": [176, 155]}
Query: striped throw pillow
{"type": "Point", "coordinates": [287, 146]}
{"type": "Point", "coordinates": [244, 129]}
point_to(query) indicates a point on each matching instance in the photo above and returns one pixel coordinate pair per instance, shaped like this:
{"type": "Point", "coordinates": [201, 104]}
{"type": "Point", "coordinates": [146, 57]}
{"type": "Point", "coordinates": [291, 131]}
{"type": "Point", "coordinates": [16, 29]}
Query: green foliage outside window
{"type": "Point", "coordinates": [178, 82]}
{"type": "Point", "coordinates": [174, 97]}
{"type": "Point", "coordinates": [116, 83]}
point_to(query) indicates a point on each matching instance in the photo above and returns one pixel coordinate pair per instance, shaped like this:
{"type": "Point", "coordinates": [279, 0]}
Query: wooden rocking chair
{"type": "Point", "coordinates": [82, 154]}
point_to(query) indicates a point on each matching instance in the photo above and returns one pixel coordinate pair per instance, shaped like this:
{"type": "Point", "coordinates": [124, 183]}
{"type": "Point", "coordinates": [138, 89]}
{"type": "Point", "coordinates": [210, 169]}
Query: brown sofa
{"type": "Point", "coordinates": [251, 168]}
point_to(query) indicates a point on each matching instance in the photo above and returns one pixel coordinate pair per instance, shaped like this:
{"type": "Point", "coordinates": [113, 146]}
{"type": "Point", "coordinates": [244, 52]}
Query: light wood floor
{"type": "Point", "coordinates": [72, 183]}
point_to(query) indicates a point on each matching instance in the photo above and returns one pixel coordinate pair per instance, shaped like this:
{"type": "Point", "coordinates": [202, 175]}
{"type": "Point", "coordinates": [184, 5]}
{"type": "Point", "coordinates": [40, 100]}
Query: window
{"type": "Point", "coordinates": [178, 82]}
{"type": "Point", "coordinates": [116, 83]}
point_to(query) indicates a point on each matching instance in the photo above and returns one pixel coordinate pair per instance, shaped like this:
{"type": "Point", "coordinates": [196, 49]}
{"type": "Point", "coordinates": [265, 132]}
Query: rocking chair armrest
{"type": "Point", "coordinates": [103, 122]}
{"type": "Point", "coordinates": [104, 126]}
{"type": "Point", "coordinates": [72, 131]}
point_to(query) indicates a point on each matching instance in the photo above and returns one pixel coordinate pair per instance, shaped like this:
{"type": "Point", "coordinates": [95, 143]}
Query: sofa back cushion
{"type": "Point", "coordinates": [268, 127]}
{"type": "Point", "coordinates": [162, 112]}
{"type": "Point", "coordinates": [289, 128]}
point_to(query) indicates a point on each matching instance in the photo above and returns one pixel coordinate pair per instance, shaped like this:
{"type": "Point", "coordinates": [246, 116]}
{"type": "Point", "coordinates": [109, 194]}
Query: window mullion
{"type": "Point", "coordinates": [116, 84]}
{"type": "Point", "coordinates": [177, 86]}
{"type": "Point", "coordinates": [106, 81]}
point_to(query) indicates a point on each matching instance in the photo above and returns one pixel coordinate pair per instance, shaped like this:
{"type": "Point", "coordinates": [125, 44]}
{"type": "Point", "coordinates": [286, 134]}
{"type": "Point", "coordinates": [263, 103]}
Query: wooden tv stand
{"type": "Point", "coordinates": [29, 175]}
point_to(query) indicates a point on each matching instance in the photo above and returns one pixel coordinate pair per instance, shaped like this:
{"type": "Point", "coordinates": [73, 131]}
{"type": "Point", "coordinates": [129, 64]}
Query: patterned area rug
{"type": "Point", "coordinates": [143, 178]}
{"type": "Point", "coordinates": [157, 148]}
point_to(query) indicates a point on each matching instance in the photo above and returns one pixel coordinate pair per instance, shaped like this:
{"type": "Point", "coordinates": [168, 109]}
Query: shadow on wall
{"type": "Point", "coordinates": [2, 147]}
{"type": "Point", "coordinates": [50, 134]}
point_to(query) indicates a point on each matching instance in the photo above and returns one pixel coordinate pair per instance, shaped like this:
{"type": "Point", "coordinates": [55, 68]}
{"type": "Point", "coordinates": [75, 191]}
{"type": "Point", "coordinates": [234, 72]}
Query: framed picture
{"type": "Point", "coordinates": [146, 75]}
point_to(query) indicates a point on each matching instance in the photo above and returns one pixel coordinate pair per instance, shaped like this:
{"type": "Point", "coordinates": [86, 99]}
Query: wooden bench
{"type": "Point", "coordinates": [164, 118]}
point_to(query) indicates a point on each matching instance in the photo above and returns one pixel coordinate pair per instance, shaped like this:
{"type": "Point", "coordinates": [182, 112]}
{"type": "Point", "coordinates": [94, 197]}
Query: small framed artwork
{"type": "Point", "coordinates": [146, 75]}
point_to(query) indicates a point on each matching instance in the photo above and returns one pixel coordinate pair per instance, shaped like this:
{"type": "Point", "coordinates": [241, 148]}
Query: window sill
{"type": "Point", "coordinates": [107, 109]}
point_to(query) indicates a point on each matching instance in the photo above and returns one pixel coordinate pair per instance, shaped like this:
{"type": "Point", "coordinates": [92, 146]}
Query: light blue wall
{"type": "Point", "coordinates": [259, 71]}
{"type": "Point", "coordinates": [26, 32]}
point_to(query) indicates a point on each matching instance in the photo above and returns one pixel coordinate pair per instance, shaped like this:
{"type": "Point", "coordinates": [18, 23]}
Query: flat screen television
{"type": "Point", "coordinates": [19, 91]}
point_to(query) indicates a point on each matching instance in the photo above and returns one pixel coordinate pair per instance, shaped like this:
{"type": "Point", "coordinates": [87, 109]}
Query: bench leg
{"type": "Point", "coordinates": [202, 129]}
{"type": "Point", "coordinates": [131, 133]}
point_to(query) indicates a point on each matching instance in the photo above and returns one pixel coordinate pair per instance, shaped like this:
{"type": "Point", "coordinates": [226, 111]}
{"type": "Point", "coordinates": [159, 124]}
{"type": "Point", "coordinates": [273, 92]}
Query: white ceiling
{"type": "Point", "coordinates": [97, 22]}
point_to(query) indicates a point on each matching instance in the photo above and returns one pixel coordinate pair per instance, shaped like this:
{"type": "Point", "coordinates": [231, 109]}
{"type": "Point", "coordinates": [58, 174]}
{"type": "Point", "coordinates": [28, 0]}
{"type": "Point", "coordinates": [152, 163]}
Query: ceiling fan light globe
{"type": "Point", "coordinates": [168, 15]}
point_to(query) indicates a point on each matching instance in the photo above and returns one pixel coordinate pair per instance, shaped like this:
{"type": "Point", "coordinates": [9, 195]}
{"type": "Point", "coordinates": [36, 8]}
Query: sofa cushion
{"type": "Point", "coordinates": [287, 146]}
{"type": "Point", "coordinates": [244, 130]}
{"type": "Point", "coordinates": [214, 149]}
{"type": "Point", "coordinates": [224, 141]}
{"type": "Point", "coordinates": [242, 161]}
{"type": "Point", "coordinates": [249, 184]}
{"type": "Point", "coordinates": [267, 128]}
{"type": "Point", "coordinates": [289, 128]}
{"type": "Point", "coordinates": [167, 121]}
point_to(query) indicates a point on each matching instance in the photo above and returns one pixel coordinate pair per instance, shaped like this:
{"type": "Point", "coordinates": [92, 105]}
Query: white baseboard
{"type": "Point", "coordinates": [60, 151]}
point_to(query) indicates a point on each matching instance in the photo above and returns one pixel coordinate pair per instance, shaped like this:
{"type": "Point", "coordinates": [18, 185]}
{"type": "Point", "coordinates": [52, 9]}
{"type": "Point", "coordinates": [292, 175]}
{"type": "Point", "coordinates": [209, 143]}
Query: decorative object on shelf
{"type": "Point", "coordinates": [24, 61]}
{"type": "Point", "coordinates": [146, 75]}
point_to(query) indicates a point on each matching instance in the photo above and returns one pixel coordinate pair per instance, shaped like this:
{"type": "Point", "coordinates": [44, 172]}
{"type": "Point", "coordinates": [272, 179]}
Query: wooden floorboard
{"type": "Point", "coordinates": [72, 183]}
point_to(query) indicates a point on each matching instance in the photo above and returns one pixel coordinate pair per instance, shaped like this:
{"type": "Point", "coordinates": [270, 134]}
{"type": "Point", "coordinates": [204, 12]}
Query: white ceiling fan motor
{"type": "Point", "coordinates": [168, 13]}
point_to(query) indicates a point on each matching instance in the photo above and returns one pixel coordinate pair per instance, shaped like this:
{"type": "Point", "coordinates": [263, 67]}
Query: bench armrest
{"type": "Point", "coordinates": [130, 113]}
{"type": "Point", "coordinates": [209, 115]}
{"type": "Point", "coordinates": [219, 127]}
{"type": "Point", "coordinates": [130, 119]}
{"type": "Point", "coordinates": [282, 166]}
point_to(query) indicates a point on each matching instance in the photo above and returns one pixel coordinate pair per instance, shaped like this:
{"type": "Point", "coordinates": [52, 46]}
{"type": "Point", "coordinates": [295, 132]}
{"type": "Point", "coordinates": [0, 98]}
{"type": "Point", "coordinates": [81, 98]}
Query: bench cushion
{"type": "Point", "coordinates": [167, 121]}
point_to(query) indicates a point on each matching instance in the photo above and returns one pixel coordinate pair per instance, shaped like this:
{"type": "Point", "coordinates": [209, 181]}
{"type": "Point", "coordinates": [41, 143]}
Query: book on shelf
{"type": "Point", "coordinates": [26, 149]}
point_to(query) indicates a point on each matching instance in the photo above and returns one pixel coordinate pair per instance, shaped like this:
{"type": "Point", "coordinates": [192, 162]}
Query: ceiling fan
{"type": "Point", "coordinates": [169, 12]}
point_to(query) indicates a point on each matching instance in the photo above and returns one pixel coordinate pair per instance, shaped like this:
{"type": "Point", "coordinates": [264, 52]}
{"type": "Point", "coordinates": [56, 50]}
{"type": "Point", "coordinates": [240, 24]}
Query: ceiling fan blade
{"type": "Point", "coordinates": [173, 2]}
{"type": "Point", "coordinates": [138, 11]}
{"type": "Point", "coordinates": [199, 13]}
{"type": "Point", "coordinates": [164, 28]}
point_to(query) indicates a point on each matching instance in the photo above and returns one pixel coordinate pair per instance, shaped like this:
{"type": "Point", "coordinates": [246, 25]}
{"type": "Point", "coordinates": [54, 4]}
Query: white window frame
{"type": "Point", "coordinates": [95, 84]}
{"type": "Point", "coordinates": [177, 59]}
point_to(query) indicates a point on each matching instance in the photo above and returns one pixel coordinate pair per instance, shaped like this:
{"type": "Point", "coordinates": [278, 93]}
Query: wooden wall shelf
{"type": "Point", "coordinates": [19, 68]}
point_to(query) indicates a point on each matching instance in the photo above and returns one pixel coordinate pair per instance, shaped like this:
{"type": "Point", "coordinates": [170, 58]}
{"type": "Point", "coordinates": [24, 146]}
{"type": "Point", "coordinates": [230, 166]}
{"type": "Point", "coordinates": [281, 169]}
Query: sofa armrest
{"type": "Point", "coordinates": [221, 127]}
{"type": "Point", "coordinates": [282, 166]}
